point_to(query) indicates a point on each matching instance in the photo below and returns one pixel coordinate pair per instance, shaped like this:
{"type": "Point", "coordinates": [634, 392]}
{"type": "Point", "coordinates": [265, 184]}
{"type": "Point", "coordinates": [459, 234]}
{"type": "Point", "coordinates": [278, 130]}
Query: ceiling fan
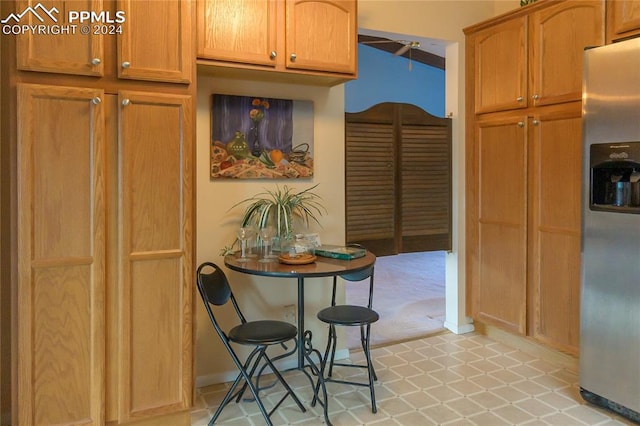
{"type": "Point", "coordinates": [406, 45]}
{"type": "Point", "coordinates": [403, 46]}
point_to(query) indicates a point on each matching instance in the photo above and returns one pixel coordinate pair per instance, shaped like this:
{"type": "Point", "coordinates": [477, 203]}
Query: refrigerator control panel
{"type": "Point", "coordinates": [615, 177]}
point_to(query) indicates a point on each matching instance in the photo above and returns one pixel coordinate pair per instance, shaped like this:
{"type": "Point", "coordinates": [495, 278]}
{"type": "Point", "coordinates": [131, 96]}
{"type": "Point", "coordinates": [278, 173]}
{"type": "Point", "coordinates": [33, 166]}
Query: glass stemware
{"type": "Point", "coordinates": [244, 234]}
{"type": "Point", "coordinates": [267, 234]}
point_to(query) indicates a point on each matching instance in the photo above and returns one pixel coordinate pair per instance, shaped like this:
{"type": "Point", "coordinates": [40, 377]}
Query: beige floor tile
{"type": "Point", "coordinates": [487, 419]}
{"type": "Point", "coordinates": [465, 407]}
{"type": "Point", "coordinates": [535, 407]}
{"type": "Point", "coordinates": [407, 370]}
{"type": "Point", "coordinates": [440, 413]}
{"type": "Point", "coordinates": [424, 382]}
{"type": "Point", "coordinates": [465, 387]}
{"type": "Point", "coordinates": [446, 376]}
{"type": "Point", "coordinates": [485, 381]}
{"type": "Point", "coordinates": [419, 400]}
{"type": "Point", "coordinates": [505, 376]}
{"type": "Point", "coordinates": [513, 414]}
{"type": "Point", "coordinates": [487, 400]}
{"type": "Point", "coordinates": [526, 371]}
{"type": "Point", "coordinates": [440, 380]}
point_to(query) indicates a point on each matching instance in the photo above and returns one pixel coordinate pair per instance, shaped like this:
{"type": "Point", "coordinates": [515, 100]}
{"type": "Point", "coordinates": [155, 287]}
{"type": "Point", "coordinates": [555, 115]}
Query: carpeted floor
{"type": "Point", "coordinates": [408, 295]}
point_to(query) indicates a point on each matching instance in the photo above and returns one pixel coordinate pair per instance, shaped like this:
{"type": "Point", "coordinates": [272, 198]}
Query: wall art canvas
{"type": "Point", "coordinates": [261, 138]}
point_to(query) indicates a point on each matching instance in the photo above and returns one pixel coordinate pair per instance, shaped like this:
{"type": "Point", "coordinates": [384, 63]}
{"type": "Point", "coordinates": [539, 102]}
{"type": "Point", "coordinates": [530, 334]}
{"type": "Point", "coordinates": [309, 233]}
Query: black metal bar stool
{"type": "Point", "coordinates": [215, 291]}
{"type": "Point", "coordinates": [351, 316]}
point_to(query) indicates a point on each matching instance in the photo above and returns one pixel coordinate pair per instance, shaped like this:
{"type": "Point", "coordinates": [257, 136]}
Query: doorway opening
{"type": "Point", "coordinates": [409, 296]}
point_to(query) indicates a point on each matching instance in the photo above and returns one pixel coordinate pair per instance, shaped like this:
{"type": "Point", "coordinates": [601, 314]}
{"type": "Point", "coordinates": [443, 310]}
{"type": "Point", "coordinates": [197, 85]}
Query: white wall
{"type": "Point", "coordinates": [264, 297]}
{"type": "Point", "coordinates": [443, 20]}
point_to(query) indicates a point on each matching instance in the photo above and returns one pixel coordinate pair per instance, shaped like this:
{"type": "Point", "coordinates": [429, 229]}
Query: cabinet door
{"type": "Point", "coordinates": [559, 35]}
{"type": "Point", "coordinates": [61, 256]}
{"type": "Point", "coordinates": [500, 55]}
{"type": "Point", "coordinates": [156, 42]}
{"type": "Point", "coordinates": [155, 201]}
{"type": "Point", "coordinates": [238, 31]}
{"type": "Point", "coordinates": [556, 173]}
{"type": "Point", "coordinates": [321, 35]}
{"type": "Point", "coordinates": [623, 19]}
{"type": "Point", "coordinates": [67, 52]}
{"type": "Point", "coordinates": [499, 239]}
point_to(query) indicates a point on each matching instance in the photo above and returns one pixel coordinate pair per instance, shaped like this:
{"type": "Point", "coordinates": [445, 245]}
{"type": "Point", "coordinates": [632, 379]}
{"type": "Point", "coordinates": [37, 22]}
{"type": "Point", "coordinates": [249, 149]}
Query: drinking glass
{"type": "Point", "coordinates": [244, 234]}
{"type": "Point", "coordinates": [267, 234]}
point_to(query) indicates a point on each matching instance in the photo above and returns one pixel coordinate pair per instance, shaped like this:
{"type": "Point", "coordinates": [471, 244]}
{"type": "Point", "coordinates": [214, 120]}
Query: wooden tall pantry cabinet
{"type": "Point", "coordinates": [100, 129]}
{"type": "Point", "coordinates": [524, 81]}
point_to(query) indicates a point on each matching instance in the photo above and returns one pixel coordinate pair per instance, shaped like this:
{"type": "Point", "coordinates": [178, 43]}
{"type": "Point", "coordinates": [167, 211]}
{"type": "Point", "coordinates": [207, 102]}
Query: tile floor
{"type": "Point", "coordinates": [446, 379]}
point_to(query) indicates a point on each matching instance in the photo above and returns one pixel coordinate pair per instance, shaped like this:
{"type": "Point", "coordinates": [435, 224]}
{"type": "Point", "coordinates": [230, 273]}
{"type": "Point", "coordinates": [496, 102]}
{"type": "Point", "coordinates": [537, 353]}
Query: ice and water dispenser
{"type": "Point", "coordinates": [615, 177]}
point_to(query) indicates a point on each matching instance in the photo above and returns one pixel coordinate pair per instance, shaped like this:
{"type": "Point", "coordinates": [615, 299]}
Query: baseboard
{"type": "Point", "coordinates": [229, 376]}
{"type": "Point", "coordinates": [459, 328]}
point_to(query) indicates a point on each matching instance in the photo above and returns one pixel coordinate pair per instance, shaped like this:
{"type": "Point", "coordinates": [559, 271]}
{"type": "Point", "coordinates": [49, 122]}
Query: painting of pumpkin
{"type": "Point", "coordinates": [276, 156]}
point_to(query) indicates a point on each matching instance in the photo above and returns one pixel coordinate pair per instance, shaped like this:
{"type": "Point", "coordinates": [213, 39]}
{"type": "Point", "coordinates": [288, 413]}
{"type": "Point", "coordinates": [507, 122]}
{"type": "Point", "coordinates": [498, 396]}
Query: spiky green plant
{"type": "Point", "coordinates": [279, 207]}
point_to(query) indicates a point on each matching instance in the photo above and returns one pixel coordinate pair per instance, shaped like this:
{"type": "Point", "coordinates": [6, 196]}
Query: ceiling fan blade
{"type": "Point", "coordinates": [381, 41]}
{"type": "Point", "coordinates": [402, 50]}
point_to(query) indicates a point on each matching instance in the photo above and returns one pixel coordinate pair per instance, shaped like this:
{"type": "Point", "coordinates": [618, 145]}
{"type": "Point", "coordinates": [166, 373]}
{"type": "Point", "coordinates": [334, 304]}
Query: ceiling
{"type": "Point", "coordinates": [431, 51]}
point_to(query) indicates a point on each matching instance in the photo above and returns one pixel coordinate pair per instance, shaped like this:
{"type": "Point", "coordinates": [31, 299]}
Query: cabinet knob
{"type": "Point", "coordinates": [519, 99]}
{"type": "Point", "coordinates": [126, 64]}
{"type": "Point", "coordinates": [125, 102]}
{"type": "Point", "coordinates": [535, 97]}
{"type": "Point", "coordinates": [96, 61]}
{"type": "Point", "coordinates": [520, 123]}
{"type": "Point", "coordinates": [293, 57]}
{"type": "Point", "coordinates": [96, 100]}
{"type": "Point", "coordinates": [273, 54]}
{"type": "Point", "coordinates": [536, 122]}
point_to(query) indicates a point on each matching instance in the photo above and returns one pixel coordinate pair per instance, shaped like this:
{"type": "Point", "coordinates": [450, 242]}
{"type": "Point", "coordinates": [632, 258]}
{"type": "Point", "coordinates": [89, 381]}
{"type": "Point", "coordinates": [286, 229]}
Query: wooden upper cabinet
{"type": "Point", "coordinates": [321, 35]}
{"type": "Point", "coordinates": [559, 35]}
{"type": "Point", "coordinates": [623, 19]}
{"type": "Point", "coordinates": [67, 53]}
{"type": "Point", "coordinates": [164, 55]}
{"type": "Point", "coordinates": [155, 43]}
{"type": "Point", "coordinates": [304, 36]}
{"type": "Point", "coordinates": [535, 59]}
{"type": "Point", "coordinates": [238, 31]}
{"type": "Point", "coordinates": [501, 66]}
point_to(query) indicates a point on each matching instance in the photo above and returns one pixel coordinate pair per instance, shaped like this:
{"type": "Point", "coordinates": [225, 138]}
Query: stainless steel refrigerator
{"type": "Point", "coordinates": [610, 280]}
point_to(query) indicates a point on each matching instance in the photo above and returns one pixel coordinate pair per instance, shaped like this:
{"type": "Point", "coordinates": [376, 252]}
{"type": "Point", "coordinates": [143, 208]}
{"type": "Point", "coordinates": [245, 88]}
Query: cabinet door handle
{"type": "Point", "coordinates": [293, 57]}
{"type": "Point", "coordinates": [125, 102]}
{"type": "Point", "coordinates": [95, 61]}
{"type": "Point", "coordinates": [519, 99]}
{"type": "Point", "coordinates": [520, 123]}
{"type": "Point", "coordinates": [126, 64]}
{"type": "Point", "coordinates": [273, 54]}
{"type": "Point", "coordinates": [536, 122]}
{"type": "Point", "coordinates": [96, 100]}
{"type": "Point", "coordinates": [535, 97]}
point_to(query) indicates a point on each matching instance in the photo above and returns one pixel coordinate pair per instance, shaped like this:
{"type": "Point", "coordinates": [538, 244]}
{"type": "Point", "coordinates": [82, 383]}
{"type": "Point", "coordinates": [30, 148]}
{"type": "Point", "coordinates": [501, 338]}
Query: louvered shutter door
{"type": "Point", "coordinates": [425, 188]}
{"type": "Point", "coordinates": [370, 184]}
{"type": "Point", "coordinates": [398, 179]}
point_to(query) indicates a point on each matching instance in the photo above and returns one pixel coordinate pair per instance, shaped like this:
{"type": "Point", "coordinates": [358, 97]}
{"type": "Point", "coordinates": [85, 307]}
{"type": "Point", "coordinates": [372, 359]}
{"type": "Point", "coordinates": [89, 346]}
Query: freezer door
{"type": "Point", "coordinates": [610, 290]}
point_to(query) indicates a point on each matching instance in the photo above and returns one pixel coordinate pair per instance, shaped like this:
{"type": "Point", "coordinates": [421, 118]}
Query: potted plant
{"type": "Point", "coordinates": [278, 208]}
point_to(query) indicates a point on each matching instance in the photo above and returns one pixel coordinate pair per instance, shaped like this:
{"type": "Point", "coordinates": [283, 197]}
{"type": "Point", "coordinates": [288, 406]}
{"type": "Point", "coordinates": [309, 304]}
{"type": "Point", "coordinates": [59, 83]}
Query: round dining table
{"type": "Point", "coordinates": [319, 267]}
